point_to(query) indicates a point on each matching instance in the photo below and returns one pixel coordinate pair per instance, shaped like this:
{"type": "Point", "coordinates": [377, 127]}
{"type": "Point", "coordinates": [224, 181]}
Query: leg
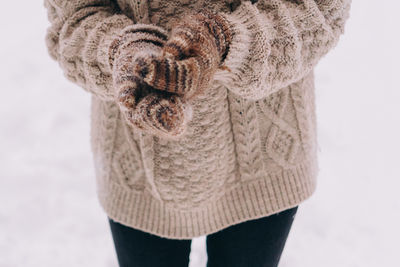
{"type": "Point", "coordinates": [258, 242]}
{"type": "Point", "coordinates": [136, 248]}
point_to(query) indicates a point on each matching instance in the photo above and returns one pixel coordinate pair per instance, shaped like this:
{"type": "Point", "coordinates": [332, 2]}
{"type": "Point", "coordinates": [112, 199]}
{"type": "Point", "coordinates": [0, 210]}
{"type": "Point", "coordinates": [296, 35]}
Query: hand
{"type": "Point", "coordinates": [195, 50]}
{"type": "Point", "coordinates": [161, 113]}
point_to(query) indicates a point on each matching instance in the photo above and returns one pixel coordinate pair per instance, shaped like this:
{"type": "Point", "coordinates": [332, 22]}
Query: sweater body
{"type": "Point", "coordinates": [242, 157]}
{"type": "Point", "coordinates": [239, 160]}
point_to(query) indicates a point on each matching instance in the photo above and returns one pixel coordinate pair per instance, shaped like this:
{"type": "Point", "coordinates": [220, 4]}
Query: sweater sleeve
{"type": "Point", "coordinates": [79, 37]}
{"type": "Point", "coordinates": [277, 42]}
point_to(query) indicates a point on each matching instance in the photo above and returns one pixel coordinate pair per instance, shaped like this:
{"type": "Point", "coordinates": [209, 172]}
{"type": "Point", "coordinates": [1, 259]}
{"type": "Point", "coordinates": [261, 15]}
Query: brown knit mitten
{"type": "Point", "coordinates": [195, 49]}
{"type": "Point", "coordinates": [159, 112]}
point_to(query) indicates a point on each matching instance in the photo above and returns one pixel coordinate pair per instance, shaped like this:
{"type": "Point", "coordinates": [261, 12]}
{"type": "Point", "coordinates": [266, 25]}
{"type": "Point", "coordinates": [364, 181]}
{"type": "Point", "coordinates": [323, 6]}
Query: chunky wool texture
{"type": "Point", "coordinates": [153, 111]}
{"type": "Point", "coordinates": [191, 56]}
{"type": "Point", "coordinates": [250, 147]}
{"type": "Point", "coordinates": [185, 67]}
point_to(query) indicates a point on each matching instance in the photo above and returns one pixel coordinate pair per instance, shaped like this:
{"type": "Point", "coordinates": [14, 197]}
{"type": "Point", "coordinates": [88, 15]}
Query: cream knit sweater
{"type": "Point", "coordinates": [250, 149]}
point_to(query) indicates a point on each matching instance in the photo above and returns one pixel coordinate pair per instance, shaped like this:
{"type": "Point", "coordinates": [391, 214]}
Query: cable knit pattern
{"type": "Point", "coordinates": [250, 149]}
{"type": "Point", "coordinates": [247, 137]}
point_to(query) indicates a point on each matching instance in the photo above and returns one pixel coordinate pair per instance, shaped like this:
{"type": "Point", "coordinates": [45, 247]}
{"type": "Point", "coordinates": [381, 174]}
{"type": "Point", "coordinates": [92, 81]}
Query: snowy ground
{"type": "Point", "coordinates": [49, 214]}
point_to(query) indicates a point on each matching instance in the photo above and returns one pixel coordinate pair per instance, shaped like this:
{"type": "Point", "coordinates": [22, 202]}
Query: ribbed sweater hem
{"type": "Point", "coordinates": [249, 200]}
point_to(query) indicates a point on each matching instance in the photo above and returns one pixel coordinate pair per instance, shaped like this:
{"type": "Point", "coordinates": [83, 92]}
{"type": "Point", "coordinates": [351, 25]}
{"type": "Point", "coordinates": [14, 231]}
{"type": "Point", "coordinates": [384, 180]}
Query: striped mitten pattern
{"type": "Point", "coordinates": [196, 48]}
{"type": "Point", "coordinates": [159, 112]}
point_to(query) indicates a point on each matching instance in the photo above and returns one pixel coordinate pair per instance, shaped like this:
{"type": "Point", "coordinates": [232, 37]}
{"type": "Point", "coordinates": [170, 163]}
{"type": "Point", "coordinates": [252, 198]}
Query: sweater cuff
{"type": "Point", "coordinates": [246, 58]}
{"type": "Point", "coordinates": [96, 68]}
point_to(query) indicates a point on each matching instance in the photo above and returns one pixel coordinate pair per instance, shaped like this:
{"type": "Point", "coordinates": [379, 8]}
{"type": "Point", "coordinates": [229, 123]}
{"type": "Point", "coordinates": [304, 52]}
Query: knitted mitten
{"type": "Point", "coordinates": [197, 47]}
{"type": "Point", "coordinates": [159, 112]}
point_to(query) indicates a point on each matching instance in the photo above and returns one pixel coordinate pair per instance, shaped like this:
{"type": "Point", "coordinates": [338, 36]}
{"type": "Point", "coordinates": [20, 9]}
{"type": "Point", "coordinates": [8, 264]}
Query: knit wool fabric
{"type": "Point", "coordinates": [196, 48]}
{"type": "Point", "coordinates": [250, 149]}
{"type": "Point", "coordinates": [157, 112]}
{"type": "Point", "coordinates": [199, 44]}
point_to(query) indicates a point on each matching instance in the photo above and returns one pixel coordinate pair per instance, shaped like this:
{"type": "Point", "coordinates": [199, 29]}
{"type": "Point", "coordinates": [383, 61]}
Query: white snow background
{"type": "Point", "coordinates": [49, 214]}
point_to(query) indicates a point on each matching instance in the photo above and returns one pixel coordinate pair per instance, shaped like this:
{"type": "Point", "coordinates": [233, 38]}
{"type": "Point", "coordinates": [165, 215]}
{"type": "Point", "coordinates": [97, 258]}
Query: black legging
{"type": "Point", "coordinates": [253, 243]}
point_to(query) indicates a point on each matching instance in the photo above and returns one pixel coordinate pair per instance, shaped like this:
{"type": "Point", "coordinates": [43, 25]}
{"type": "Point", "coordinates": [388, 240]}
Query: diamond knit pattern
{"type": "Point", "coordinates": [250, 149]}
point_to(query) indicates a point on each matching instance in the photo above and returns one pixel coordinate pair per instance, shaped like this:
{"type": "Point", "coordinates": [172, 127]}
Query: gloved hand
{"type": "Point", "coordinates": [195, 49]}
{"type": "Point", "coordinates": [159, 112]}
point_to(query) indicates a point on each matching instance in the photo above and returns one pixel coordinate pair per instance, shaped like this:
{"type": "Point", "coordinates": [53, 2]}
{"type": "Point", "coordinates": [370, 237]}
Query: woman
{"type": "Point", "coordinates": [203, 118]}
